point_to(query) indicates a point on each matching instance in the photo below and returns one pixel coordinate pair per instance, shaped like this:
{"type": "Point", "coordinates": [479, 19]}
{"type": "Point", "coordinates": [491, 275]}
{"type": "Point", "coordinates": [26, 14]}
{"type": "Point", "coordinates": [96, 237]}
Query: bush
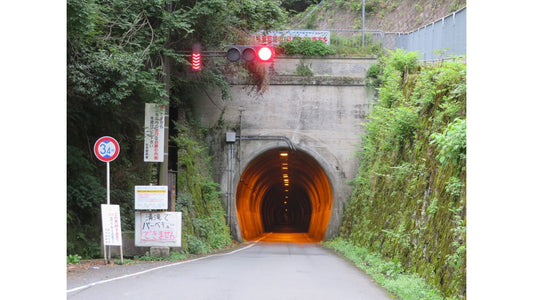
{"type": "Point", "coordinates": [307, 47]}
{"type": "Point", "coordinates": [451, 143]}
{"type": "Point", "coordinates": [73, 259]}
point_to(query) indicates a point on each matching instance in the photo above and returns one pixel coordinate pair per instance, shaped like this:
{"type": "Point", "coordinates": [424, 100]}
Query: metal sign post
{"type": "Point", "coordinates": [107, 149]}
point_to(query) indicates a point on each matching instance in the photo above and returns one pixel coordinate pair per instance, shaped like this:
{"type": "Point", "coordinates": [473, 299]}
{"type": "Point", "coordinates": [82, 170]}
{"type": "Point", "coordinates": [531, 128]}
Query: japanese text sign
{"type": "Point", "coordinates": [151, 197]}
{"type": "Point", "coordinates": [111, 225]}
{"type": "Point", "coordinates": [275, 37]}
{"type": "Point", "coordinates": [154, 132]}
{"type": "Point", "coordinates": [158, 229]}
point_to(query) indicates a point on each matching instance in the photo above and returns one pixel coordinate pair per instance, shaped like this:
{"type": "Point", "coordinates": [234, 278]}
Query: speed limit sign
{"type": "Point", "coordinates": [106, 149]}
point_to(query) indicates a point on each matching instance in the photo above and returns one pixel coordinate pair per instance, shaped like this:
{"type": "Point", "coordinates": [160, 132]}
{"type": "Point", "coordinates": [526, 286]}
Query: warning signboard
{"type": "Point", "coordinates": [154, 132]}
{"type": "Point", "coordinates": [111, 225]}
{"type": "Point", "coordinates": [158, 229]}
{"type": "Point", "coordinates": [149, 197]}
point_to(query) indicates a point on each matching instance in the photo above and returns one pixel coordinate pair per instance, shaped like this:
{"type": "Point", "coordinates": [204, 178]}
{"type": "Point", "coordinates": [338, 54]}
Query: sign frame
{"type": "Point", "coordinates": [111, 229]}
{"type": "Point", "coordinates": [151, 197]}
{"type": "Point", "coordinates": [102, 146]}
{"type": "Point", "coordinates": [154, 132]}
{"type": "Point", "coordinates": [163, 230]}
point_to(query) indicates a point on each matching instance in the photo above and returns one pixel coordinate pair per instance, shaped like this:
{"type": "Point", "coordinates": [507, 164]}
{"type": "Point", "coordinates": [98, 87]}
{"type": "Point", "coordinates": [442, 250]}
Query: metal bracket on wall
{"type": "Point", "coordinates": [268, 137]}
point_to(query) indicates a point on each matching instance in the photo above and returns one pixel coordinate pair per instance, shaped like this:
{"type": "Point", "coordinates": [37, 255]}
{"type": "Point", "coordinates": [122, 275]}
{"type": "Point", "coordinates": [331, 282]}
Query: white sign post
{"type": "Point", "coordinates": [154, 132]}
{"type": "Point", "coordinates": [107, 149]}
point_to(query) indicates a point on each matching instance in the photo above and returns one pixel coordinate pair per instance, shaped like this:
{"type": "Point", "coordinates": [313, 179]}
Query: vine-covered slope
{"type": "Point", "coordinates": [409, 196]}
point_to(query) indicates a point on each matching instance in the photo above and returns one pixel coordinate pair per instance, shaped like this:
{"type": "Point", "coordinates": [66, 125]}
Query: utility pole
{"type": "Point", "coordinates": [163, 170]}
{"type": "Point", "coordinates": [363, 23]}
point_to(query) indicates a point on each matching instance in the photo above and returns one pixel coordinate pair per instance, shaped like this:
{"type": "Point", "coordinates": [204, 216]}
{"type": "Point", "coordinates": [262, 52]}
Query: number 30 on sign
{"type": "Point", "coordinates": [106, 149]}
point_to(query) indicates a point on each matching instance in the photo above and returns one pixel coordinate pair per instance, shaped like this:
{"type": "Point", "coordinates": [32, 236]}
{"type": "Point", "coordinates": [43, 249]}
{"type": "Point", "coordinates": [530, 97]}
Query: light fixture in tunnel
{"type": "Point", "coordinates": [283, 154]}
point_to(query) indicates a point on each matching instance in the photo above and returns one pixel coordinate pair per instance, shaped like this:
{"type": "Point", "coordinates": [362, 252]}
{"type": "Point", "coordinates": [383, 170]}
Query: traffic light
{"type": "Point", "coordinates": [248, 53]}
{"type": "Point", "coordinates": [196, 57]}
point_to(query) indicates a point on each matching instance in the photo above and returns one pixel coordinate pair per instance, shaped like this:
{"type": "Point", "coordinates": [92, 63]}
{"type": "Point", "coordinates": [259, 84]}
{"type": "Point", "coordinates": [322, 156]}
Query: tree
{"type": "Point", "coordinates": [116, 56]}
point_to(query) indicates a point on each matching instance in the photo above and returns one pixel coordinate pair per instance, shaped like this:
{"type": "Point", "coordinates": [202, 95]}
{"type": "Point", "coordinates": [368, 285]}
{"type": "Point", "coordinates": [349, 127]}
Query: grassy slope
{"type": "Point", "coordinates": [409, 199]}
{"type": "Point", "coordinates": [386, 15]}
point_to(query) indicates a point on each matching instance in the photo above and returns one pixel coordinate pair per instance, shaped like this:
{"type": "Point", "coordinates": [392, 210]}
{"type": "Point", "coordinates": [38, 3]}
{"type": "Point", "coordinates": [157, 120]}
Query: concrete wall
{"type": "Point", "coordinates": [322, 115]}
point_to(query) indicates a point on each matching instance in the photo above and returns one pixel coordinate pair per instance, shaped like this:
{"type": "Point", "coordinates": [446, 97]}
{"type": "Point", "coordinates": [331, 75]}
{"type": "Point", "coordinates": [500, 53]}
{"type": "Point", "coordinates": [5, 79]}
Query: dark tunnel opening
{"type": "Point", "coordinates": [286, 210]}
{"type": "Point", "coordinates": [283, 191]}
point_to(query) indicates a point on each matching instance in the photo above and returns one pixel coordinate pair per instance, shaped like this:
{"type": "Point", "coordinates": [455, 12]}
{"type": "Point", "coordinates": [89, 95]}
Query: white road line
{"type": "Point", "coordinates": [157, 268]}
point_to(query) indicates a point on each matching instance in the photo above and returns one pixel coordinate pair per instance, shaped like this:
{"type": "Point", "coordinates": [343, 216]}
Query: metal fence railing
{"type": "Point", "coordinates": [438, 40]}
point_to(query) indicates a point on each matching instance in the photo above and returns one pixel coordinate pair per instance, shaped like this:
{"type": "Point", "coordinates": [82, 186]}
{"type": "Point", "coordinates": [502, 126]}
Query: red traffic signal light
{"type": "Point", "coordinates": [265, 53]}
{"type": "Point", "coordinates": [245, 53]}
{"type": "Point", "coordinates": [196, 58]}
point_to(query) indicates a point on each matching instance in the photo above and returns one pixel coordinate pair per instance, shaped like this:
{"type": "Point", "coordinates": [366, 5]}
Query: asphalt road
{"type": "Point", "coordinates": [269, 269]}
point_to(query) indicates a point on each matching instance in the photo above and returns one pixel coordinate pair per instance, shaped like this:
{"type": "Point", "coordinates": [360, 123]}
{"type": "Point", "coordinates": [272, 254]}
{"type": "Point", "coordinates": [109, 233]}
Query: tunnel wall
{"type": "Point", "coordinates": [324, 119]}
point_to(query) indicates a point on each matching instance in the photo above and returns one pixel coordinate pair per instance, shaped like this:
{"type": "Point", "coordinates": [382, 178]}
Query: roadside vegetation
{"type": "Point", "coordinates": [117, 58]}
{"type": "Point", "coordinates": [388, 274]}
{"type": "Point", "coordinates": [409, 198]}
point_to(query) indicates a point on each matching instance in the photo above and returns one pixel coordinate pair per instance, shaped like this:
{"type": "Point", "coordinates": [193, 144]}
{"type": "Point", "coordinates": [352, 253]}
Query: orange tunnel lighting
{"type": "Point", "coordinates": [261, 198]}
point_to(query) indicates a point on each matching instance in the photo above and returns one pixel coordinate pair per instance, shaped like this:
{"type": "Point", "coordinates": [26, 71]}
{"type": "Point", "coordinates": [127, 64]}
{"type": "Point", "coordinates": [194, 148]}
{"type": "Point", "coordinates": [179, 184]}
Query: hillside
{"type": "Point", "coordinates": [386, 15]}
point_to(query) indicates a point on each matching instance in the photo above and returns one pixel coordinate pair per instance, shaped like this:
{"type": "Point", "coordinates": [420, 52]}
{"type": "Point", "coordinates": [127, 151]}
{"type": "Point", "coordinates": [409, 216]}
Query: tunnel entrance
{"type": "Point", "coordinates": [283, 191]}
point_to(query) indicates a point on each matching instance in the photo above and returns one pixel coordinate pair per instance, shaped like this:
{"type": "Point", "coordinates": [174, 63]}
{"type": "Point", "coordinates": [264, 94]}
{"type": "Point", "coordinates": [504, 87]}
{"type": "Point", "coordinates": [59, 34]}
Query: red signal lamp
{"type": "Point", "coordinates": [196, 61]}
{"type": "Point", "coordinates": [196, 58]}
{"type": "Point", "coordinates": [265, 53]}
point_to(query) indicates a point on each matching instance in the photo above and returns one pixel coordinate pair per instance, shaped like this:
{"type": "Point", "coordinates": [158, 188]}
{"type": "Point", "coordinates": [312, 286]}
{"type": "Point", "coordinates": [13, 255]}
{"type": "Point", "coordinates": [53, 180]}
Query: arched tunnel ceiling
{"type": "Point", "coordinates": [261, 193]}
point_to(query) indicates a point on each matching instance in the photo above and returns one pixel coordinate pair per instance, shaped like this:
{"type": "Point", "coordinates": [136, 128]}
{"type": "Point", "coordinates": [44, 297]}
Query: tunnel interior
{"type": "Point", "coordinates": [283, 191]}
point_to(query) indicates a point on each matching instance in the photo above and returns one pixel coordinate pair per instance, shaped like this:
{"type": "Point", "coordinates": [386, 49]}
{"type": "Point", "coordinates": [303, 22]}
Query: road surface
{"type": "Point", "coordinates": [269, 269]}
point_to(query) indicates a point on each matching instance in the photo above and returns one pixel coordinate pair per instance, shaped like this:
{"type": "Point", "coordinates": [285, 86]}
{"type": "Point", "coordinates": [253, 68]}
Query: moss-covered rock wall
{"type": "Point", "coordinates": [203, 217]}
{"type": "Point", "coordinates": [409, 199]}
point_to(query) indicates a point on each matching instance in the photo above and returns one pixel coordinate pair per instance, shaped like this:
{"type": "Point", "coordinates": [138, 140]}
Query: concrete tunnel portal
{"type": "Point", "coordinates": [283, 191]}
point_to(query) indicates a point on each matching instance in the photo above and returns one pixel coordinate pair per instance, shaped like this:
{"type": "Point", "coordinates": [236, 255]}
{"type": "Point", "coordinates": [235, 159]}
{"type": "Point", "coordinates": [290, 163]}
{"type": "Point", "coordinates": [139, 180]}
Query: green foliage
{"type": "Point", "coordinates": [354, 45]}
{"type": "Point", "coordinates": [387, 273]}
{"type": "Point", "coordinates": [304, 70]}
{"type": "Point", "coordinates": [204, 227]}
{"type": "Point", "coordinates": [296, 6]}
{"type": "Point", "coordinates": [73, 259]}
{"type": "Point", "coordinates": [306, 47]}
{"type": "Point", "coordinates": [451, 144]}
{"type": "Point", "coordinates": [409, 194]}
{"type": "Point", "coordinates": [174, 256]}
{"type": "Point", "coordinates": [119, 54]}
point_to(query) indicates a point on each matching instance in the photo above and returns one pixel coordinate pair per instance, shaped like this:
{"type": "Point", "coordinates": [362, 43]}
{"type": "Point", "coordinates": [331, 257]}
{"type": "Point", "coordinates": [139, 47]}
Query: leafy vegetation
{"type": "Point", "coordinates": [306, 47]}
{"type": "Point", "coordinates": [204, 227]}
{"type": "Point", "coordinates": [73, 259]}
{"type": "Point", "coordinates": [121, 55]}
{"type": "Point", "coordinates": [389, 274]}
{"type": "Point", "coordinates": [409, 195]}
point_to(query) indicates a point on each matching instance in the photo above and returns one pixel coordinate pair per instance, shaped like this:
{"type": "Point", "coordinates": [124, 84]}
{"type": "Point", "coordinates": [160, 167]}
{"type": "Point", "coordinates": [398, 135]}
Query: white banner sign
{"type": "Point", "coordinates": [154, 229]}
{"type": "Point", "coordinates": [154, 132]}
{"type": "Point", "coordinates": [111, 225]}
{"type": "Point", "coordinates": [275, 37]}
{"type": "Point", "coordinates": [151, 197]}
